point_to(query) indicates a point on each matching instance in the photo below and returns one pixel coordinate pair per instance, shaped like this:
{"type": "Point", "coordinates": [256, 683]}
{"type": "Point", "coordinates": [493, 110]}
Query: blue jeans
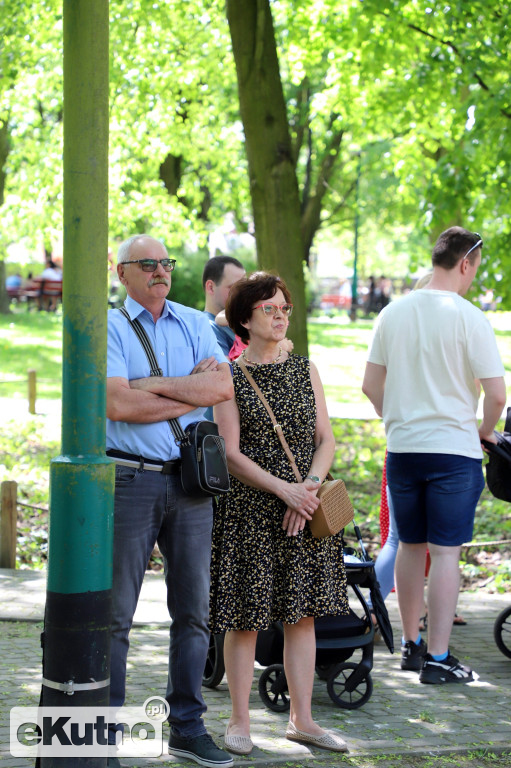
{"type": "Point", "coordinates": [384, 568]}
{"type": "Point", "coordinates": [152, 507]}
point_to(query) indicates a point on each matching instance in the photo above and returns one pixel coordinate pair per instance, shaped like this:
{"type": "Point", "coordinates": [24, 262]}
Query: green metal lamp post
{"type": "Point", "coordinates": [354, 287]}
{"type": "Point", "coordinates": [76, 634]}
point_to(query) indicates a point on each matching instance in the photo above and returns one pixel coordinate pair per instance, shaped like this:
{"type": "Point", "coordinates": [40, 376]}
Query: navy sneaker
{"type": "Point", "coordinates": [202, 749]}
{"type": "Point", "coordinates": [412, 655]}
{"type": "Point", "coordinates": [448, 670]}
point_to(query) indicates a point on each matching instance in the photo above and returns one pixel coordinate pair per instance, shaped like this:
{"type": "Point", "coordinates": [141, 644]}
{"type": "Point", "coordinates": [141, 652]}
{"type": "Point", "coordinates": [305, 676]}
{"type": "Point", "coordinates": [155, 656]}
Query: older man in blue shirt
{"type": "Point", "coordinates": [150, 505]}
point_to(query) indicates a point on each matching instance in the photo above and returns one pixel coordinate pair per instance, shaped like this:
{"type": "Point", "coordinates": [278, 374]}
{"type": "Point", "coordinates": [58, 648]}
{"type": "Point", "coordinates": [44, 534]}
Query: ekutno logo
{"type": "Point", "coordinates": [83, 731]}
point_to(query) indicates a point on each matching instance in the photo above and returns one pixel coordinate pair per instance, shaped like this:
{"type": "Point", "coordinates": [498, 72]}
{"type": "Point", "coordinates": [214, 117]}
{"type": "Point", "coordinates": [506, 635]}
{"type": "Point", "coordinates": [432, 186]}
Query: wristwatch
{"type": "Point", "coordinates": [314, 478]}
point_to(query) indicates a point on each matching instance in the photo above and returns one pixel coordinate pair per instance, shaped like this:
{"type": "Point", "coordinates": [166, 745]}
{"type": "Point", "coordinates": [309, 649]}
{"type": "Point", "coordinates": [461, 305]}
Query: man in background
{"type": "Point", "coordinates": [219, 275]}
{"type": "Point", "coordinates": [427, 352]}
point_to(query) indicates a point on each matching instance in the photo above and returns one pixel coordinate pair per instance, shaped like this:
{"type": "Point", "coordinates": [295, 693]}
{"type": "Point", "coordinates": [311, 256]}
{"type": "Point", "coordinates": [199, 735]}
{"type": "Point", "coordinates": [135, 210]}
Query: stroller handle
{"type": "Point", "coordinates": [361, 543]}
{"type": "Point", "coordinates": [497, 449]}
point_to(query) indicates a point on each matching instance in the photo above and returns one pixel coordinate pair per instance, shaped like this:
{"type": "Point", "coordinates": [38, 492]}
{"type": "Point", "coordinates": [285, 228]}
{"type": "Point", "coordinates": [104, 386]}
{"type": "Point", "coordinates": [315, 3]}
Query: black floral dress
{"type": "Point", "coordinates": [258, 573]}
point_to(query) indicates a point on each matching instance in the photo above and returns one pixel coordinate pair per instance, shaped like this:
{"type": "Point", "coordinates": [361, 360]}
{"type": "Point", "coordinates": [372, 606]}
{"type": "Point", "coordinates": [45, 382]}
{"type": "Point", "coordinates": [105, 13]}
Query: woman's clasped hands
{"type": "Point", "coordinates": [302, 502]}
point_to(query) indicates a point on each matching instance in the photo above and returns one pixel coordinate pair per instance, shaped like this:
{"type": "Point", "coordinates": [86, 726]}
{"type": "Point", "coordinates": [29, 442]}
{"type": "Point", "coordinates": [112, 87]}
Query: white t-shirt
{"type": "Point", "coordinates": [433, 345]}
{"type": "Point", "coordinates": [51, 273]}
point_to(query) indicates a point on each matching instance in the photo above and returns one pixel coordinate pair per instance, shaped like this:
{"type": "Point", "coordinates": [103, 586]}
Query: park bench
{"type": "Point", "coordinates": [334, 301]}
{"type": "Point", "coordinates": [42, 291]}
{"type": "Point", "coordinates": [14, 293]}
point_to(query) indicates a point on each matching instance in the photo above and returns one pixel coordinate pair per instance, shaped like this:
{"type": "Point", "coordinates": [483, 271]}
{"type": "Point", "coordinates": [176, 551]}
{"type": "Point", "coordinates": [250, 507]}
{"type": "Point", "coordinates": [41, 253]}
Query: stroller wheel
{"type": "Point", "coordinates": [214, 669]}
{"type": "Point", "coordinates": [340, 691]}
{"type": "Point", "coordinates": [273, 688]}
{"type": "Point", "coordinates": [502, 632]}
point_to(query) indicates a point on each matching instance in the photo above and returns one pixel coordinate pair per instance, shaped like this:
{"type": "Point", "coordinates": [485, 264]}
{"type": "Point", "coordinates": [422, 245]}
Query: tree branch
{"type": "Point", "coordinates": [341, 204]}
{"type": "Point", "coordinates": [312, 204]}
{"type": "Point", "coordinates": [448, 44]}
{"type": "Point", "coordinates": [302, 109]}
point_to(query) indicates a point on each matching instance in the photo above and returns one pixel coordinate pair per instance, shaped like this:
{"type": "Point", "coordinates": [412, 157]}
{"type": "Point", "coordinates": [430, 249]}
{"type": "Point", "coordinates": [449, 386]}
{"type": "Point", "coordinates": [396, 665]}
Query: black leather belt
{"type": "Point", "coordinates": [131, 460]}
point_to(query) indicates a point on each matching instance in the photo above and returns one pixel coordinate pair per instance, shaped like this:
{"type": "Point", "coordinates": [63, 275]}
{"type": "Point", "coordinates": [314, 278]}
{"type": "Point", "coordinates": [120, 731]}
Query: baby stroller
{"type": "Point", "coordinates": [349, 684]}
{"type": "Point", "coordinates": [498, 478]}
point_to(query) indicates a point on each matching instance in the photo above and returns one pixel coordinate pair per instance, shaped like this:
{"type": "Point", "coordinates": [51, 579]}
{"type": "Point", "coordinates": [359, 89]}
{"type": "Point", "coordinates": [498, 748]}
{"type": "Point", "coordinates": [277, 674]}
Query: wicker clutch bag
{"type": "Point", "coordinates": [335, 510]}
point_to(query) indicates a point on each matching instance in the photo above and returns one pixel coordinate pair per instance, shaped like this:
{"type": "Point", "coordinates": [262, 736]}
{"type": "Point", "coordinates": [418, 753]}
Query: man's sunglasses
{"type": "Point", "coordinates": [151, 265]}
{"type": "Point", "coordinates": [270, 309]}
{"type": "Point", "coordinates": [479, 244]}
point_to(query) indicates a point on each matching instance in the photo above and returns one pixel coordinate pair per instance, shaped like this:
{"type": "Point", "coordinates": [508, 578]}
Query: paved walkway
{"type": "Point", "coordinates": [401, 717]}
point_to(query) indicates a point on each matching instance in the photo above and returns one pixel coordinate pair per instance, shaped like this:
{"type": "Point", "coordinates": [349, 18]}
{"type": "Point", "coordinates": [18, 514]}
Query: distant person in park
{"type": "Point", "coordinates": [14, 281]}
{"type": "Point", "coordinates": [150, 504]}
{"type": "Point", "coordinates": [50, 273]}
{"type": "Point", "coordinates": [384, 292]}
{"type": "Point", "coordinates": [219, 275]}
{"type": "Point", "coordinates": [371, 296]}
{"type": "Point", "coordinates": [266, 565]}
{"type": "Point", "coordinates": [428, 349]}
{"type": "Point", "coordinates": [116, 293]}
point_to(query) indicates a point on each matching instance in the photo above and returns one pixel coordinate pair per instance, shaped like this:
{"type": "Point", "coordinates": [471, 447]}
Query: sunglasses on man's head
{"type": "Point", "coordinates": [151, 265]}
{"type": "Point", "coordinates": [479, 244]}
{"type": "Point", "coordinates": [270, 309]}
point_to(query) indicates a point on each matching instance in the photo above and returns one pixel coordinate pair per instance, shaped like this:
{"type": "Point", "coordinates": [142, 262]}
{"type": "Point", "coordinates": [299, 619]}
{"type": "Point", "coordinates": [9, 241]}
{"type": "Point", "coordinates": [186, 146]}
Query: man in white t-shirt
{"type": "Point", "coordinates": [427, 351]}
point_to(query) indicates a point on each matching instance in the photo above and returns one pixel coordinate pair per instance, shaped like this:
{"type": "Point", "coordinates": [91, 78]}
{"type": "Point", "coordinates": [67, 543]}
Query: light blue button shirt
{"type": "Point", "coordinates": [181, 338]}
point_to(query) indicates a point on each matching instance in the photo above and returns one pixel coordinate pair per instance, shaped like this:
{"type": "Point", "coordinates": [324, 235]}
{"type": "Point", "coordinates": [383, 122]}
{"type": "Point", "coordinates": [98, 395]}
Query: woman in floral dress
{"type": "Point", "coordinates": [266, 565]}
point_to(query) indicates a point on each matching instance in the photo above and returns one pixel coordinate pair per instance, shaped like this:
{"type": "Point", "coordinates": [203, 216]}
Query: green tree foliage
{"type": "Point", "coordinates": [30, 120]}
{"type": "Point", "coordinates": [452, 148]}
{"type": "Point", "coordinates": [419, 90]}
{"type": "Point", "coordinates": [176, 137]}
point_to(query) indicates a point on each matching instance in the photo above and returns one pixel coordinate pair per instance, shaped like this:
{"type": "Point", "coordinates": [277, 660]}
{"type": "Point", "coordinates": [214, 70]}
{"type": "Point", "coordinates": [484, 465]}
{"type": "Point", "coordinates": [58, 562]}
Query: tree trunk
{"type": "Point", "coordinates": [273, 182]}
{"type": "Point", "coordinates": [4, 298]}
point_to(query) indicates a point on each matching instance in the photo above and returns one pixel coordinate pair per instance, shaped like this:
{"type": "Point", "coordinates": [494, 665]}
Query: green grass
{"type": "Point", "coordinates": [339, 349]}
{"type": "Point", "coordinates": [26, 450]}
{"type": "Point", "coordinates": [33, 340]}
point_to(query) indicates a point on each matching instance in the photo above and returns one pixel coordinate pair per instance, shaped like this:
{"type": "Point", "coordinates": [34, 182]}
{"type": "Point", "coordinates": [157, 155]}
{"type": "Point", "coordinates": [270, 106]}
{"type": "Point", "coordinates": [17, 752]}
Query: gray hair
{"type": "Point", "coordinates": [123, 254]}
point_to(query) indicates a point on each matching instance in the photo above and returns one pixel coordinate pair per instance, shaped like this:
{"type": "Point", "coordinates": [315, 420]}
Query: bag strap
{"type": "Point", "coordinates": [276, 425]}
{"type": "Point", "coordinates": [144, 340]}
{"type": "Point", "coordinates": [177, 429]}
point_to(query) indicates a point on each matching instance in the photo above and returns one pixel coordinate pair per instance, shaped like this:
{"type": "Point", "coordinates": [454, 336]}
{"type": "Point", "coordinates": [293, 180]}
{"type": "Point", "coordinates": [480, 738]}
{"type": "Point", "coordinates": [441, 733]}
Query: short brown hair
{"type": "Point", "coordinates": [452, 245]}
{"type": "Point", "coordinates": [245, 293]}
{"type": "Point", "coordinates": [214, 268]}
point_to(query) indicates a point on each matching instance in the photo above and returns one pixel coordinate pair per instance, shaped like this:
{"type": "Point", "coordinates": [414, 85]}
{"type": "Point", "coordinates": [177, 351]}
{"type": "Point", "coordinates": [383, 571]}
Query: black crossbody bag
{"type": "Point", "coordinates": [203, 462]}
